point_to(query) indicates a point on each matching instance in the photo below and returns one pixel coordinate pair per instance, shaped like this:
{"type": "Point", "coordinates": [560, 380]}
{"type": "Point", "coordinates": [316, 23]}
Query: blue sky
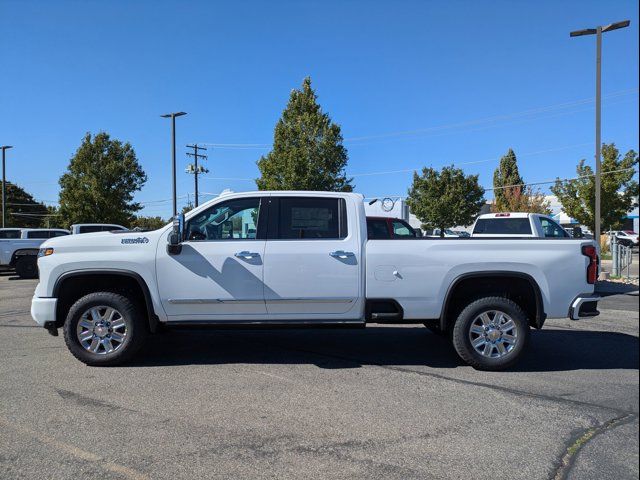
{"type": "Point", "coordinates": [412, 83]}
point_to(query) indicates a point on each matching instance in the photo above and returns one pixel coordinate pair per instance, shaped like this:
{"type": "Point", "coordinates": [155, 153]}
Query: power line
{"type": "Point", "coordinates": [406, 170]}
{"type": "Point", "coordinates": [544, 182]}
{"type": "Point", "coordinates": [469, 123]}
{"type": "Point", "coordinates": [494, 118]}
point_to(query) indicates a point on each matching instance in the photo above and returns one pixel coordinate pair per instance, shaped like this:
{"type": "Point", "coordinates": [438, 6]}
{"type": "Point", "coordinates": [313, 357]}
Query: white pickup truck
{"type": "Point", "coordinates": [518, 224]}
{"type": "Point", "coordinates": [19, 248]}
{"type": "Point", "coordinates": [293, 259]}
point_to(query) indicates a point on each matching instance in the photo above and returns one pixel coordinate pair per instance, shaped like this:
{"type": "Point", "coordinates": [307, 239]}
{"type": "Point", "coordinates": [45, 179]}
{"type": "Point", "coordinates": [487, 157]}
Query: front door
{"type": "Point", "coordinates": [219, 272]}
{"type": "Point", "coordinates": [312, 259]}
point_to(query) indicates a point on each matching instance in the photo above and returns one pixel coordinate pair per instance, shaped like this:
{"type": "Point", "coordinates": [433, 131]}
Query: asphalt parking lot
{"type": "Point", "coordinates": [383, 402]}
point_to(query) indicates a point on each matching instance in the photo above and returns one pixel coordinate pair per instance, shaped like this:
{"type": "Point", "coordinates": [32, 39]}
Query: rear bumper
{"type": "Point", "coordinates": [584, 307]}
{"type": "Point", "coordinates": [43, 310]}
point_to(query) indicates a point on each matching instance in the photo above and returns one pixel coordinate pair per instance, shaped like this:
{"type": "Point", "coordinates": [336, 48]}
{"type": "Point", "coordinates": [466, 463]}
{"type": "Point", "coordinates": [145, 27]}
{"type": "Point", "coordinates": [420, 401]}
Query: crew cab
{"type": "Point", "coordinates": [19, 248]}
{"type": "Point", "coordinates": [532, 225]}
{"type": "Point", "coordinates": [294, 259]}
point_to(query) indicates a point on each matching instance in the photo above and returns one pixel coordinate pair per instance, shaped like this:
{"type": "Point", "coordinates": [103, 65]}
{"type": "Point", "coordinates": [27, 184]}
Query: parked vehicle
{"type": "Point", "coordinates": [531, 225]}
{"type": "Point", "coordinates": [627, 238]}
{"type": "Point", "coordinates": [381, 228]}
{"type": "Point", "coordinates": [448, 233]}
{"type": "Point", "coordinates": [19, 248]}
{"type": "Point", "coordinates": [96, 227]}
{"type": "Point", "coordinates": [574, 232]}
{"type": "Point", "coordinates": [303, 259]}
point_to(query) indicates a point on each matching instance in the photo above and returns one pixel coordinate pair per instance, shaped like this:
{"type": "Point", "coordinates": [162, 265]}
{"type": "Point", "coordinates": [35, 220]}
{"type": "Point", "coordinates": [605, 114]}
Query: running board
{"type": "Point", "coordinates": [264, 324]}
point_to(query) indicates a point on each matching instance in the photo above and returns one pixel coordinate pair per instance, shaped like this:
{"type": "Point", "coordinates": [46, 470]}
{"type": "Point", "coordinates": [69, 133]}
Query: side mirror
{"type": "Point", "coordinates": [176, 237]}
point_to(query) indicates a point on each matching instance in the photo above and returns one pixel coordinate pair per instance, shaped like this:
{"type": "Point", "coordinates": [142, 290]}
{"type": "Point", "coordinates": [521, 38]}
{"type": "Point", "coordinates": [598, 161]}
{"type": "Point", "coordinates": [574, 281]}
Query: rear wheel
{"type": "Point", "coordinates": [104, 329]}
{"type": "Point", "coordinates": [27, 266]}
{"type": "Point", "coordinates": [491, 333]}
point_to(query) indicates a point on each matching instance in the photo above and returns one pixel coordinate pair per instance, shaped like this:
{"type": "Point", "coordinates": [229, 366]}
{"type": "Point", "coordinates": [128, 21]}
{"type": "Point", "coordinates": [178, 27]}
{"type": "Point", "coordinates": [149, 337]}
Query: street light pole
{"type": "Point", "coordinates": [4, 182]}
{"type": "Point", "coordinates": [598, 210]}
{"type": "Point", "coordinates": [598, 31]}
{"type": "Point", "coordinates": [173, 116]}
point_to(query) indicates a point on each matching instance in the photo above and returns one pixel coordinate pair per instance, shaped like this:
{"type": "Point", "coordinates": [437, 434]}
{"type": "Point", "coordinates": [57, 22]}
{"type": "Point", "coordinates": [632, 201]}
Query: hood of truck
{"type": "Point", "coordinates": [103, 241]}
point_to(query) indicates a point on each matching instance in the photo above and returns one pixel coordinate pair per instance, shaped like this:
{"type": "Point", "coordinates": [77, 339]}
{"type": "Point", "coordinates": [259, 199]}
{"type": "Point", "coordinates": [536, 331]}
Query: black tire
{"type": "Point", "coordinates": [27, 266]}
{"type": "Point", "coordinates": [137, 329]}
{"type": "Point", "coordinates": [462, 341]}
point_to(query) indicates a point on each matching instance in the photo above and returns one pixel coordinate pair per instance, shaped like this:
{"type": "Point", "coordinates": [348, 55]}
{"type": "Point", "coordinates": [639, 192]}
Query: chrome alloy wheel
{"type": "Point", "coordinates": [493, 334]}
{"type": "Point", "coordinates": [102, 330]}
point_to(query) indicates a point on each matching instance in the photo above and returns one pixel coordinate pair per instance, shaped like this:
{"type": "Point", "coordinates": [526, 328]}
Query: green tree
{"type": "Point", "coordinates": [307, 149]}
{"type": "Point", "coordinates": [148, 223]}
{"type": "Point", "coordinates": [511, 195]}
{"type": "Point", "coordinates": [100, 182]}
{"type": "Point", "coordinates": [22, 210]}
{"type": "Point", "coordinates": [619, 190]}
{"type": "Point", "coordinates": [523, 199]}
{"type": "Point", "coordinates": [446, 198]}
{"type": "Point", "coordinates": [506, 175]}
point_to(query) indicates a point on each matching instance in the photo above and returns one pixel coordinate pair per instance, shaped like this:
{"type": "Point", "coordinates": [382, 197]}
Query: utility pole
{"type": "Point", "coordinates": [173, 116]}
{"type": "Point", "coordinates": [194, 168]}
{"type": "Point", "coordinates": [598, 31]}
{"type": "Point", "coordinates": [4, 182]}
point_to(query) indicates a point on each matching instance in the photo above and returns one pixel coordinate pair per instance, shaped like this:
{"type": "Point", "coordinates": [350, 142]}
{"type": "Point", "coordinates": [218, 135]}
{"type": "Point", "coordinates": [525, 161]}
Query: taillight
{"type": "Point", "coordinates": [592, 270]}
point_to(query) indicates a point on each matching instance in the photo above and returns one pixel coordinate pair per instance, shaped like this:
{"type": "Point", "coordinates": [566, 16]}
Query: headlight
{"type": "Point", "coordinates": [45, 252]}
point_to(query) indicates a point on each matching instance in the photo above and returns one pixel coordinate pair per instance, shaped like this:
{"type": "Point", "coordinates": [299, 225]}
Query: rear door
{"type": "Point", "coordinates": [312, 266]}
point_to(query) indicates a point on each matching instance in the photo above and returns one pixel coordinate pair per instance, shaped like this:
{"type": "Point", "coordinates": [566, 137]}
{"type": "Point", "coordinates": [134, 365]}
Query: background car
{"type": "Point", "coordinates": [380, 228]}
{"type": "Point", "coordinates": [626, 237]}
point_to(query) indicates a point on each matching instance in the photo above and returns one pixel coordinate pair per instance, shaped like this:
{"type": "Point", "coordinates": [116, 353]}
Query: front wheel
{"type": "Point", "coordinates": [104, 329]}
{"type": "Point", "coordinates": [491, 333]}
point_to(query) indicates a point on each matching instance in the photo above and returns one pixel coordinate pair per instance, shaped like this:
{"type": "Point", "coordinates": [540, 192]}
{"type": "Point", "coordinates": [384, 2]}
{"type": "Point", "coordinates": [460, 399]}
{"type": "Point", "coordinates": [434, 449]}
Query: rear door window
{"type": "Point", "coordinates": [503, 226]}
{"type": "Point", "coordinates": [311, 218]}
{"type": "Point", "coordinates": [377, 230]}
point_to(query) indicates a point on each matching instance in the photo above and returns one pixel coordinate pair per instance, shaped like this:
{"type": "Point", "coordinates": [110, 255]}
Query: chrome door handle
{"type": "Point", "coordinates": [342, 254]}
{"type": "Point", "coordinates": [246, 255]}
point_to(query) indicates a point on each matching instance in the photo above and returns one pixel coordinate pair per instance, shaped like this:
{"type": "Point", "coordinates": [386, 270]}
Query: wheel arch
{"type": "Point", "coordinates": [534, 309]}
{"type": "Point", "coordinates": [99, 276]}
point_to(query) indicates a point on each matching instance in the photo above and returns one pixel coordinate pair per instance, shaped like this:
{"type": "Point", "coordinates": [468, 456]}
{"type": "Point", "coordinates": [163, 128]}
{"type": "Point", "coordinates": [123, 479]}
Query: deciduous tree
{"type": "Point", "coordinates": [446, 198]}
{"type": "Point", "coordinates": [148, 223]}
{"type": "Point", "coordinates": [619, 189]}
{"type": "Point", "coordinates": [100, 182]}
{"type": "Point", "coordinates": [22, 210]}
